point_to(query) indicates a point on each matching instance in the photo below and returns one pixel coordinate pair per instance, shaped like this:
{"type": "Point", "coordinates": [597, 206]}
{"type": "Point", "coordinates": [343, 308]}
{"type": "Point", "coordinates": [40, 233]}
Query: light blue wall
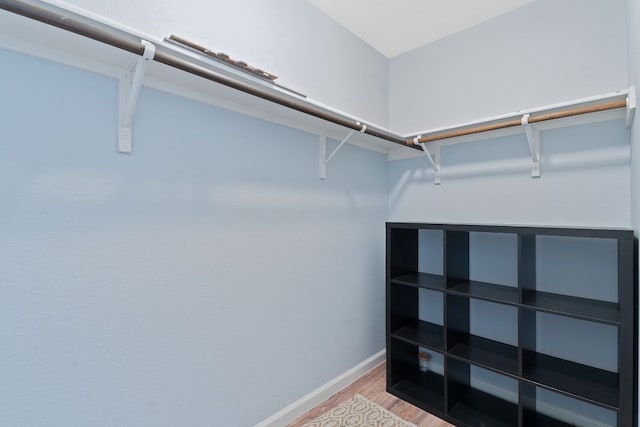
{"type": "Point", "coordinates": [585, 181]}
{"type": "Point", "coordinates": [209, 275]}
{"type": "Point", "coordinates": [209, 278]}
{"type": "Point", "coordinates": [545, 52]}
{"type": "Point", "coordinates": [293, 39]}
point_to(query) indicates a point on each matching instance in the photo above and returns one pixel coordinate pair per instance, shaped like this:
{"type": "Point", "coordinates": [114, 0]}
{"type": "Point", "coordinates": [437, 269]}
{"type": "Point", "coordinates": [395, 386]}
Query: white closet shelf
{"type": "Point", "coordinates": [26, 35]}
{"type": "Point", "coordinates": [184, 76]}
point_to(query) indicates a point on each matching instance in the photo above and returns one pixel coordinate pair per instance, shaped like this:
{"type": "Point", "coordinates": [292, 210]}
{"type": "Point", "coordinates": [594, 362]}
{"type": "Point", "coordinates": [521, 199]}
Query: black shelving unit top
{"type": "Point", "coordinates": [487, 353]}
{"type": "Point", "coordinates": [424, 334]}
{"type": "Point", "coordinates": [421, 280]}
{"type": "Point", "coordinates": [605, 233]}
{"type": "Point", "coordinates": [485, 291]}
{"type": "Point", "coordinates": [583, 382]}
{"type": "Point", "coordinates": [580, 308]}
{"type": "Point", "coordinates": [479, 409]}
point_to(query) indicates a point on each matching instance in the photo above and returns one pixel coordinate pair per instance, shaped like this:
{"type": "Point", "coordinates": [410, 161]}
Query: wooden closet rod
{"type": "Point", "coordinates": [612, 105]}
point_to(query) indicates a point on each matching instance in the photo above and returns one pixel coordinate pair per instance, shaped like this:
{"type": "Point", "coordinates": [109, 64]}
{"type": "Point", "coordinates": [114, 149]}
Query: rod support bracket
{"type": "Point", "coordinates": [433, 159]}
{"type": "Point", "coordinates": [129, 89]}
{"type": "Point", "coordinates": [533, 139]}
{"type": "Point", "coordinates": [631, 106]}
{"type": "Point", "coordinates": [324, 159]}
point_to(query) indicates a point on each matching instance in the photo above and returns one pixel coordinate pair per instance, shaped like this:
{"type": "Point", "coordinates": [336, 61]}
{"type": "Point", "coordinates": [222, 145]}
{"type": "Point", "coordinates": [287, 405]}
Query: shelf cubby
{"type": "Point", "coordinates": [479, 409]}
{"type": "Point", "coordinates": [487, 353]}
{"type": "Point", "coordinates": [485, 291]}
{"type": "Point", "coordinates": [473, 275]}
{"type": "Point", "coordinates": [430, 254]}
{"type": "Point", "coordinates": [404, 378]}
{"type": "Point", "coordinates": [422, 390]}
{"type": "Point", "coordinates": [556, 355]}
{"type": "Point", "coordinates": [577, 266]}
{"type": "Point", "coordinates": [420, 280]}
{"type": "Point", "coordinates": [534, 326]}
{"type": "Point", "coordinates": [479, 343]}
{"type": "Point", "coordinates": [580, 308]}
{"type": "Point", "coordinates": [572, 276]}
{"type": "Point", "coordinates": [590, 384]}
{"type": "Point", "coordinates": [544, 408]}
{"type": "Point", "coordinates": [493, 258]}
{"type": "Point", "coordinates": [473, 406]}
{"type": "Point", "coordinates": [421, 333]}
{"type": "Point", "coordinates": [415, 322]}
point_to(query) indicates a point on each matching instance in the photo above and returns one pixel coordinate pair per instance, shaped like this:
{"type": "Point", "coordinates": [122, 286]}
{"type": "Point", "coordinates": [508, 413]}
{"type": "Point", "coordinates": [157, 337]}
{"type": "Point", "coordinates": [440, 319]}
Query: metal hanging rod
{"type": "Point", "coordinates": [611, 105]}
{"type": "Point", "coordinates": [92, 29]}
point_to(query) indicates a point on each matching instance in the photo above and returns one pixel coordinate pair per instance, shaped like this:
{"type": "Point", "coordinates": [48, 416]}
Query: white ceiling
{"type": "Point", "coordinates": [394, 27]}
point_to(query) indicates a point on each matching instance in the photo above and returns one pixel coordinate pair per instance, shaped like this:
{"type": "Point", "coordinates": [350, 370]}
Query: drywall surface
{"type": "Point", "coordinates": [584, 182]}
{"type": "Point", "coordinates": [198, 281]}
{"type": "Point", "coordinates": [293, 39]}
{"type": "Point", "coordinates": [545, 52]}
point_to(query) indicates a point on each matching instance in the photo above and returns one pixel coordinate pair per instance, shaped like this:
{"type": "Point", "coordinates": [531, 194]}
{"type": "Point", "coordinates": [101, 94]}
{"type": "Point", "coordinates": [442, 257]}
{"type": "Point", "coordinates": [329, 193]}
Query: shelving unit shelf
{"type": "Point", "coordinates": [589, 298]}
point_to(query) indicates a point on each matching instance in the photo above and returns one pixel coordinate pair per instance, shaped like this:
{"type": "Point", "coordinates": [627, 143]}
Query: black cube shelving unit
{"type": "Point", "coordinates": [551, 377]}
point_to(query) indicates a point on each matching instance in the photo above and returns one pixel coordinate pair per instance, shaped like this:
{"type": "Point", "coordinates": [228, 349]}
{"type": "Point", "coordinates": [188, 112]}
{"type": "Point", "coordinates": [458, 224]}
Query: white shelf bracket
{"type": "Point", "coordinates": [631, 106]}
{"type": "Point", "coordinates": [533, 139]}
{"type": "Point", "coordinates": [322, 174]}
{"type": "Point", "coordinates": [129, 89]}
{"type": "Point", "coordinates": [324, 160]}
{"type": "Point", "coordinates": [434, 160]}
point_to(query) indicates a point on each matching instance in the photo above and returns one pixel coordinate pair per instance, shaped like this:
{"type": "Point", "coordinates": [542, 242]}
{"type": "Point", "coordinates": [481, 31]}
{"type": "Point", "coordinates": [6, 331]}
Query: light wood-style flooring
{"type": "Point", "coordinates": [372, 386]}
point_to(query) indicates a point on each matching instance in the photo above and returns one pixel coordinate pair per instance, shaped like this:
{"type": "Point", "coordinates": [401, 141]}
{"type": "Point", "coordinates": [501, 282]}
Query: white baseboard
{"type": "Point", "coordinates": [322, 393]}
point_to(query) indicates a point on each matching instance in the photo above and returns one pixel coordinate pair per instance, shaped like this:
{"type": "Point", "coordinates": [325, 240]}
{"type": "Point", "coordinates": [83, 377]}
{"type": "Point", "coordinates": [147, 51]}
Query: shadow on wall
{"type": "Point", "coordinates": [593, 146]}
